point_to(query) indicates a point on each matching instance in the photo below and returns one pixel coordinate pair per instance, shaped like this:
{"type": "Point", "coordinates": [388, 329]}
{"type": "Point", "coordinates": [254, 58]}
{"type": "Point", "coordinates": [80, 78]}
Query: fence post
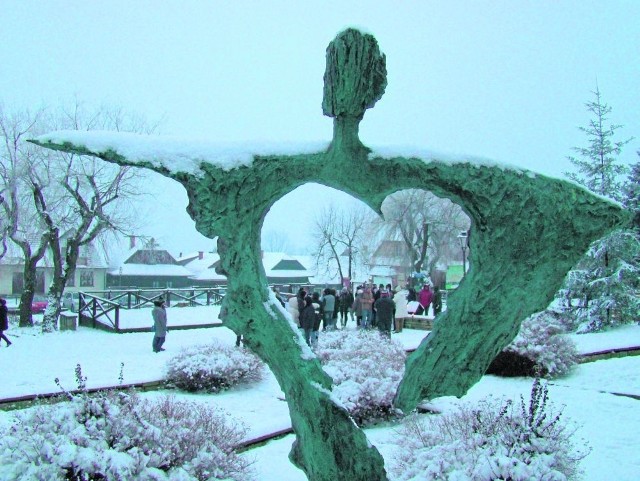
{"type": "Point", "coordinates": [117, 318]}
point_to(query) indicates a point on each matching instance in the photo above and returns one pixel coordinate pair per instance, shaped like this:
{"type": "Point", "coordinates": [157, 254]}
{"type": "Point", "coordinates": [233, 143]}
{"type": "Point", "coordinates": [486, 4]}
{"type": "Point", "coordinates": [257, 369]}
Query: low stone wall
{"type": "Point", "coordinates": [418, 322]}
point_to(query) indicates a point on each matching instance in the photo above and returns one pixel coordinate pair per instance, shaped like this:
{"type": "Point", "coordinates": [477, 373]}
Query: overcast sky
{"type": "Point", "coordinates": [506, 80]}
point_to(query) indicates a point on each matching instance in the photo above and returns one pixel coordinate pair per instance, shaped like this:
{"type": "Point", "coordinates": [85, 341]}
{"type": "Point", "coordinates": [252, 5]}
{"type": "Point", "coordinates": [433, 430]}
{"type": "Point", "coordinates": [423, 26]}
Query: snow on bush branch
{"type": "Point", "coordinates": [366, 369]}
{"type": "Point", "coordinates": [115, 436]}
{"type": "Point", "coordinates": [489, 441]}
{"type": "Point", "coordinates": [539, 348]}
{"type": "Point", "coordinates": [213, 367]}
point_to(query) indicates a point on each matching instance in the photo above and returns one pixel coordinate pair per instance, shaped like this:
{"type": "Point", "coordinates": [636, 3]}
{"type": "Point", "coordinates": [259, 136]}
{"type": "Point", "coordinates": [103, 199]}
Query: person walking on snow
{"type": "Point", "coordinates": [4, 321]}
{"type": "Point", "coordinates": [159, 315]}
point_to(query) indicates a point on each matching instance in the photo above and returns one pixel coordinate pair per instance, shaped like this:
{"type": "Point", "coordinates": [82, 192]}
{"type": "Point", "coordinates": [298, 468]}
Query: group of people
{"type": "Point", "coordinates": [372, 306]}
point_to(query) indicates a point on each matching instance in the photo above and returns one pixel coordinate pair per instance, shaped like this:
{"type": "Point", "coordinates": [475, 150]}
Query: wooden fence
{"type": "Point", "coordinates": [102, 309]}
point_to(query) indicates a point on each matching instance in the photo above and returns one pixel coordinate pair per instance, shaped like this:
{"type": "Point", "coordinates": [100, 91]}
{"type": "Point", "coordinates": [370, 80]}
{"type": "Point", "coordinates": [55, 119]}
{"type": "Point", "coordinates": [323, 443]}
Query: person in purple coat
{"type": "Point", "coordinates": [424, 298]}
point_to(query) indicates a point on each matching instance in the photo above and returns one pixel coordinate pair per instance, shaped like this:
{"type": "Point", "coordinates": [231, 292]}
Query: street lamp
{"type": "Point", "coordinates": [462, 237]}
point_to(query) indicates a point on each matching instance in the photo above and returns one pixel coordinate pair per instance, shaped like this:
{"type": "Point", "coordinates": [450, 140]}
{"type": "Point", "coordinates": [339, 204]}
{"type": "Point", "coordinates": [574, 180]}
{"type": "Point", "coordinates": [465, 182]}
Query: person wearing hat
{"type": "Point", "coordinates": [385, 308]}
{"type": "Point", "coordinates": [159, 314]}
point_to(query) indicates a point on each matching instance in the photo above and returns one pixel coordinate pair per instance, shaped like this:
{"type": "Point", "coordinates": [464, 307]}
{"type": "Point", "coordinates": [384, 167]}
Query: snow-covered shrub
{"type": "Point", "coordinates": [118, 436]}
{"type": "Point", "coordinates": [540, 341]}
{"type": "Point", "coordinates": [213, 367]}
{"type": "Point", "coordinates": [493, 440]}
{"type": "Point", "coordinates": [366, 368]}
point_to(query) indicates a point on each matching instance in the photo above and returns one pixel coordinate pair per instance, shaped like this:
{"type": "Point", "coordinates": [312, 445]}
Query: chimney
{"type": "Point", "coordinates": [200, 255]}
{"type": "Point", "coordinates": [132, 241]}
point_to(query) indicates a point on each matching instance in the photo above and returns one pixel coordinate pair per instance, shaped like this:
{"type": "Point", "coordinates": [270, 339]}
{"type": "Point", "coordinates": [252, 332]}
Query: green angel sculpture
{"type": "Point", "coordinates": [527, 231]}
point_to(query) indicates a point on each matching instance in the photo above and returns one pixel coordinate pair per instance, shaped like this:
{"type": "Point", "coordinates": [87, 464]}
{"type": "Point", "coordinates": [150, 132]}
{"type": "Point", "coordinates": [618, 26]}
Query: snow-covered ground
{"type": "Point", "coordinates": [609, 422]}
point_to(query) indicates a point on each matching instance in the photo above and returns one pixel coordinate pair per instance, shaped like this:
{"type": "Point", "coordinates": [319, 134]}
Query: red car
{"type": "Point", "coordinates": [38, 304]}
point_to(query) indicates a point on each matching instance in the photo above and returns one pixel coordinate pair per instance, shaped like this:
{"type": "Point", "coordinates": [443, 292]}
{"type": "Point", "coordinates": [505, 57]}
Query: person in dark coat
{"type": "Point", "coordinates": [159, 315]}
{"type": "Point", "coordinates": [317, 306]}
{"type": "Point", "coordinates": [346, 303]}
{"type": "Point", "coordinates": [436, 301]}
{"type": "Point", "coordinates": [385, 308]}
{"type": "Point", "coordinates": [412, 296]}
{"type": "Point", "coordinates": [4, 321]}
{"type": "Point", "coordinates": [308, 319]}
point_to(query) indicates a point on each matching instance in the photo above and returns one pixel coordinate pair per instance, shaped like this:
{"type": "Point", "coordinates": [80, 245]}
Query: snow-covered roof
{"type": "Point", "coordinates": [160, 270]}
{"type": "Point", "coordinates": [209, 275]}
{"type": "Point", "coordinates": [195, 264]}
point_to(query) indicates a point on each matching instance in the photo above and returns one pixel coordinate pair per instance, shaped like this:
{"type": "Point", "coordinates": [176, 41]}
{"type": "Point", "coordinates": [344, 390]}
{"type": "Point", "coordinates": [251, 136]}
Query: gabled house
{"type": "Point", "coordinates": [281, 269]}
{"type": "Point", "coordinates": [149, 268]}
{"type": "Point", "coordinates": [90, 272]}
{"type": "Point", "coordinates": [390, 263]}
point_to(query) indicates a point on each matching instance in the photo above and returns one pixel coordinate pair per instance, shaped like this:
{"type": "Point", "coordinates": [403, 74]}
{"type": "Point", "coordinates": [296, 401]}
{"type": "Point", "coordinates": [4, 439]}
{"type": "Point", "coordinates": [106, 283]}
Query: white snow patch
{"type": "Point", "coordinates": [178, 154]}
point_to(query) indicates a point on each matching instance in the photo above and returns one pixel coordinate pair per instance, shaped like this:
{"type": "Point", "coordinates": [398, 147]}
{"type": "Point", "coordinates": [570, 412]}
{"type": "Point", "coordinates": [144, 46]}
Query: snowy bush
{"type": "Point", "coordinates": [213, 367]}
{"type": "Point", "coordinates": [118, 436]}
{"type": "Point", "coordinates": [490, 441]}
{"type": "Point", "coordinates": [541, 343]}
{"type": "Point", "coordinates": [366, 369]}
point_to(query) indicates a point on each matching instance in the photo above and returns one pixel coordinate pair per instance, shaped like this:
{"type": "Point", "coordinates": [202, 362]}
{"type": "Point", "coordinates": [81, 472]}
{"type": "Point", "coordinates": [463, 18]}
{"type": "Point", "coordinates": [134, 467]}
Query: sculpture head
{"type": "Point", "coordinates": [356, 75]}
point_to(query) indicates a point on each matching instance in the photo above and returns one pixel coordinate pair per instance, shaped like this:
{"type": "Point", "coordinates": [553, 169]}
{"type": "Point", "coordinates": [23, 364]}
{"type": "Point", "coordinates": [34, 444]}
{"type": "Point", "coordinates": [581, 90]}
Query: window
{"type": "Point", "coordinates": [156, 284]}
{"type": "Point", "coordinates": [86, 279]}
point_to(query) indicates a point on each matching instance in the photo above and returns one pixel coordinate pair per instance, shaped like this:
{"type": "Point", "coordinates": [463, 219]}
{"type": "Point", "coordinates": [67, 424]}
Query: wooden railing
{"type": "Point", "coordinates": [102, 308]}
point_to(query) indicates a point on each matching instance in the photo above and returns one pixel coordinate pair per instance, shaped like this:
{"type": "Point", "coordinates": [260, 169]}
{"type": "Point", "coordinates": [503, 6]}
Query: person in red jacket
{"type": "Point", "coordinates": [424, 298]}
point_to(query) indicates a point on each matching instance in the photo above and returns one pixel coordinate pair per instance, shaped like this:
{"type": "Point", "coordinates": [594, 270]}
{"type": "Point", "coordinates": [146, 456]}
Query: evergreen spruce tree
{"type": "Point", "coordinates": [598, 167]}
{"type": "Point", "coordinates": [602, 291]}
{"type": "Point", "coordinates": [604, 288]}
{"type": "Point", "coordinates": [631, 199]}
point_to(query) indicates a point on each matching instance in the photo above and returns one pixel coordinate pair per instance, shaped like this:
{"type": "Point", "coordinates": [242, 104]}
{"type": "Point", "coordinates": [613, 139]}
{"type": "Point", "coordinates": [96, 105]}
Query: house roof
{"type": "Point", "coordinates": [391, 253]}
{"type": "Point", "coordinates": [151, 257]}
{"type": "Point", "coordinates": [196, 265]}
{"type": "Point", "coordinates": [156, 270]}
{"type": "Point", "coordinates": [277, 266]}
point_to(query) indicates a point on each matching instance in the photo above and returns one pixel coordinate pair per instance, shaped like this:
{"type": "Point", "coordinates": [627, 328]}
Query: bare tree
{"type": "Point", "coordinates": [426, 224]}
{"type": "Point", "coordinates": [90, 197]}
{"type": "Point", "coordinates": [274, 241]}
{"type": "Point", "coordinates": [74, 199]}
{"type": "Point", "coordinates": [18, 223]}
{"type": "Point", "coordinates": [338, 234]}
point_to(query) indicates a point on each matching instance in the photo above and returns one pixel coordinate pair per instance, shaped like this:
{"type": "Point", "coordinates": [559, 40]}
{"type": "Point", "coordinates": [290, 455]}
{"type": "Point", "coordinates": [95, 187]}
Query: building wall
{"type": "Point", "coordinates": [7, 274]}
{"type": "Point", "coordinates": [117, 281]}
{"type": "Point", "coordinates": [6, 278]}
